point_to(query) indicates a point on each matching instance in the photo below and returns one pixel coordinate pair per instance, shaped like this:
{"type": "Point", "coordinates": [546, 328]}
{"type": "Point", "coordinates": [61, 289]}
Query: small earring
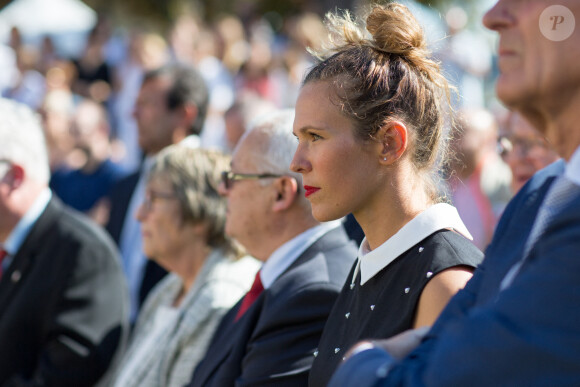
{"type": "Point", "coordinates": [385, 159]}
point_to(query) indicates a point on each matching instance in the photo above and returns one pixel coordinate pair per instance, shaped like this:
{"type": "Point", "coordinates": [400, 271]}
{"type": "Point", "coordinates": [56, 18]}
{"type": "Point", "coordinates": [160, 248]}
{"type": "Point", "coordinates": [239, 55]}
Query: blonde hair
{"type": "Point", "coordinates": [382, 71]}
{"type": "Point", "coordinates": [195, 175]}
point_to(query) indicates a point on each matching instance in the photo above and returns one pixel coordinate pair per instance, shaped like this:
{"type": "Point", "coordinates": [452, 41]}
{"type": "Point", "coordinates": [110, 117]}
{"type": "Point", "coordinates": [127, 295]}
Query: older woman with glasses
{"type": "Point", "coordinates": [183, 220]}
{"type": "Point", "coordinates": [524, 149]}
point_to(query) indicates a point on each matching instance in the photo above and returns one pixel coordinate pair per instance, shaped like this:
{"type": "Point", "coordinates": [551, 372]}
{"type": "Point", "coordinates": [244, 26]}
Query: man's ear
{"type": "Point", "coordinates": [14, 176]}
{"type": "Point", "coordinates": [185, 116]}
{"type": "Point", "coordinates": [392, 141]}
{"type": "Point", "coordinates": [286, 189]}
{"type": "Point", "coordinates": [189, 113]}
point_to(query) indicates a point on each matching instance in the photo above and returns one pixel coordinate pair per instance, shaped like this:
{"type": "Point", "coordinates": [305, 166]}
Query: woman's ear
{"type": "Point", "coordinates": [286, 191]}
{"type": "Point", "coordinates": [392, 138]}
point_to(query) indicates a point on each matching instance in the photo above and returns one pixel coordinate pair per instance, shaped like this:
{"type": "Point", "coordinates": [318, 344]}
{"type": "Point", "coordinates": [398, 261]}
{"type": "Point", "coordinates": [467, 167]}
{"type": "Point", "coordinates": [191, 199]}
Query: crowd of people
{"type": "Point", "coordinates": [176, 217]}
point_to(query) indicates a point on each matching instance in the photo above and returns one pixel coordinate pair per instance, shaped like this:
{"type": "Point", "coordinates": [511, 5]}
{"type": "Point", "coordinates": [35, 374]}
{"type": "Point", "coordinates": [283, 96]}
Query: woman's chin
{"type": "Point", "coordinates": [325, 215]}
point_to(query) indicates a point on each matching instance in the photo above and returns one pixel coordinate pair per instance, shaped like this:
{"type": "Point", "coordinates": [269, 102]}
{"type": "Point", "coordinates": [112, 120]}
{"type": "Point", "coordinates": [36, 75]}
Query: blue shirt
{"type": "Point", "coordinates": [17, 236]}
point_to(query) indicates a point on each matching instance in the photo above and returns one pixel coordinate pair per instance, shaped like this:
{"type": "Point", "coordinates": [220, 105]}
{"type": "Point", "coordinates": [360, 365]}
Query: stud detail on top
{"type": "Point", "coordinates": [347, 315]}
{"type": "Point", "coordinates": [336, 350]}
{"type": "Point", "coordinates": [372, 307]}
{"type": "Point", "coordinates": [15, 277]}
{"type": "Point", "coordinates": [429, 274]}
{"type": "Point", "coordinates": [421, 249]}
{"type": "Point", "coordinates": [407, 290]}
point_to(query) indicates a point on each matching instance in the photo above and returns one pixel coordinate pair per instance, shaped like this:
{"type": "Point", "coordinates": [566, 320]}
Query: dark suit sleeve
{"type": "Point", "coordinates": [289, 336]}
{"type": "Point", "coordinates": [528, 336]}
{"type": "Point", "coordinates": [88, 324]}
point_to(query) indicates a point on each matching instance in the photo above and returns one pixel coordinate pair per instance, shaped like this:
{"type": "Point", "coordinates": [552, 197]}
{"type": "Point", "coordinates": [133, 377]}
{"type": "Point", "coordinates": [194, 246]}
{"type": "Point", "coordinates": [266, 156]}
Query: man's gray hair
{"type": "Point", "coordinates": [22, 140]}
{"type": "Point", "coordinates": [276, 150]}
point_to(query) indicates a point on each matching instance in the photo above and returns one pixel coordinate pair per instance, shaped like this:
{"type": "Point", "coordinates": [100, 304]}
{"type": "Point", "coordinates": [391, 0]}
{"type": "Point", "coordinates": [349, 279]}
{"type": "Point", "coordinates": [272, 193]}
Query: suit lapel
{"type": "Point", "coordinates": [233, 335]}
{"type": "Point", "coordinates": [568, 215]}
{"type": "Point", "coordinates": [26, 256]}
{"type": "Point", "coordinates": [514, 235]}
{"type": "Point", "coordinates": [230, 337]}
{"type": "Point", "coordinates": [223, 340]}
{"type": "Point", "coordinates": [529, 211]}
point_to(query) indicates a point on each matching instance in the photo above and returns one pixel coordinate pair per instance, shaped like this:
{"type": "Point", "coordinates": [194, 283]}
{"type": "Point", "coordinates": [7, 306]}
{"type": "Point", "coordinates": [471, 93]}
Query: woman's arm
{"type": "Point", "coordinates": [438, 292]}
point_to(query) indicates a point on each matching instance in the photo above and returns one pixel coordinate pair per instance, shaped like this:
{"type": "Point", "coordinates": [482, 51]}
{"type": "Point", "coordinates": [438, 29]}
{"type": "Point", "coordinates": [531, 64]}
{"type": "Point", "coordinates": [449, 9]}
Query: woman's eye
{"type": "Point", "coordinates": [315, 136]}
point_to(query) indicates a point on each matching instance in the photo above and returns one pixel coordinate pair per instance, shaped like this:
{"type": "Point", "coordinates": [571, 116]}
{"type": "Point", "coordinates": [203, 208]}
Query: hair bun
{"type": "Point", "coordinates": [395, 30]}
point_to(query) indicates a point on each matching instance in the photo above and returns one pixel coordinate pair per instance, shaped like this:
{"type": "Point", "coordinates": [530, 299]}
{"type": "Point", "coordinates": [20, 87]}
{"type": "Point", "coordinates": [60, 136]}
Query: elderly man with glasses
{"type": "Point", "coordinates": [270, 336]}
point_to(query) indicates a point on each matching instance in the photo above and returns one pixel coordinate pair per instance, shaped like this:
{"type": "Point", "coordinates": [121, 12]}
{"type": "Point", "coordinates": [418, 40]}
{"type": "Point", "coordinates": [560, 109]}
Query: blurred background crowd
{"type": "Point", "coordinates": [81, 68]}
{"type": "Point", "coordinates": [119, 84]}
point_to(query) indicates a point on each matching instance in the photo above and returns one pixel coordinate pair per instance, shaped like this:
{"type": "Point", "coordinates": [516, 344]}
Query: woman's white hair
{"type": "Point", "coordinates": [22, 140]}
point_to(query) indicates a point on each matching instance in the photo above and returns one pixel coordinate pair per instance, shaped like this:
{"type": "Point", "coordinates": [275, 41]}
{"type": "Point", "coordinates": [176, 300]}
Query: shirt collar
{"type": "Point", "coordinates": [285, 255]}
{"type": "Point", "coordinates": [192, 141]}
{"type": "Point", "coordinates": [573, 167]}
{"type": "Point", "coordinates": [20, 232]}
{"type": "Point", "coordinates": [437, 217]}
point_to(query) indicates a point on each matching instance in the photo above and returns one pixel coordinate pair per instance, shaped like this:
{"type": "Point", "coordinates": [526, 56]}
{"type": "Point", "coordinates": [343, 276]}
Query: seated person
{"type": "Point", "coordinates": [183, 220]}
{"type": "Point", "coordinates": [84, 188]}
{"type": "Point", "coordinates": [524, 149]}
{"type": "Point", "coordinates": [269, 337]}
{"type": "Point", "coordinates": [375, 155]}
{"type": "Point", "coordinates": [517, 321]}
{"type": "Point", "coordinates": [63, 297]}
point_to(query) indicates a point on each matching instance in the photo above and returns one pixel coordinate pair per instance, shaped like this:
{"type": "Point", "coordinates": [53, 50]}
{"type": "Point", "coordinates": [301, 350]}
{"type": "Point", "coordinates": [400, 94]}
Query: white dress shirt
{"type": "Point", "coordinates": [131, 243]}
{"type": "Point", "coordinates": [572, 171]}
{"type": "Point", "coordinates": [23, 227]}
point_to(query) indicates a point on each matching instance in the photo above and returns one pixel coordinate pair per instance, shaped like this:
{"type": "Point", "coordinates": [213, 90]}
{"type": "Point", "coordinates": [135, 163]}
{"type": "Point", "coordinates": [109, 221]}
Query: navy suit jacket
{"type": "Point", "coordinates": [63, 304]}
{"type": "Point", "coordinates": [273, 343]}
{"type": "Point", "coordinates": [526, 335]}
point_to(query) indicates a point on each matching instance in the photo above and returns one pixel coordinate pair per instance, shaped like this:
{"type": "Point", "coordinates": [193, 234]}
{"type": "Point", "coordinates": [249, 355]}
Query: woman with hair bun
{"type": "Point", "coordinates": [369, 120]}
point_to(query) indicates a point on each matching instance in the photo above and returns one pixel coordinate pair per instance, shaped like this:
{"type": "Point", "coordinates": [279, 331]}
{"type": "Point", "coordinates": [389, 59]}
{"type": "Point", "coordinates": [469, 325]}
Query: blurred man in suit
{"type": "Point", "coordinates": [517, 322]}
{"type": "Point", "coordinates": [63, 298]}
{"type": "Point", "coordinates": [170, 108]}
{"type": "Point", "coordinates": [270, 337]}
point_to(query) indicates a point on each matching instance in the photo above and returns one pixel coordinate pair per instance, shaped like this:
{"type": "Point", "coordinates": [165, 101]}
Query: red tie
{"type": "Point", "coordinates": [251, 296]}
{"type": "Point", "coordinates": [3, 254]}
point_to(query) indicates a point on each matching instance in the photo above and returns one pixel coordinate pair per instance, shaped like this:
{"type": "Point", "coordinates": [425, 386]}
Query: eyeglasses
{"type": "Point", "coordinates": [523, 146]}
{"type": "Point", "coordinates": [228, 177]}
{"type": "Point", "coordinates": [152, 196]}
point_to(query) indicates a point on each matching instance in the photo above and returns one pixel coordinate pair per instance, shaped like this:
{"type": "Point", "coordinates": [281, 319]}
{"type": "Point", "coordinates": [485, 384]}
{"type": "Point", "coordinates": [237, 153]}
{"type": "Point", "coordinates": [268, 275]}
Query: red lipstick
{"type": "Point", "coordinates": [310, 190]}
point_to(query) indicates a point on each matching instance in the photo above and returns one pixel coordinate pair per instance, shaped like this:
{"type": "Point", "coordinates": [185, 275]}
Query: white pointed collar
{"type": "Point", "coordinates": [437, 217]}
